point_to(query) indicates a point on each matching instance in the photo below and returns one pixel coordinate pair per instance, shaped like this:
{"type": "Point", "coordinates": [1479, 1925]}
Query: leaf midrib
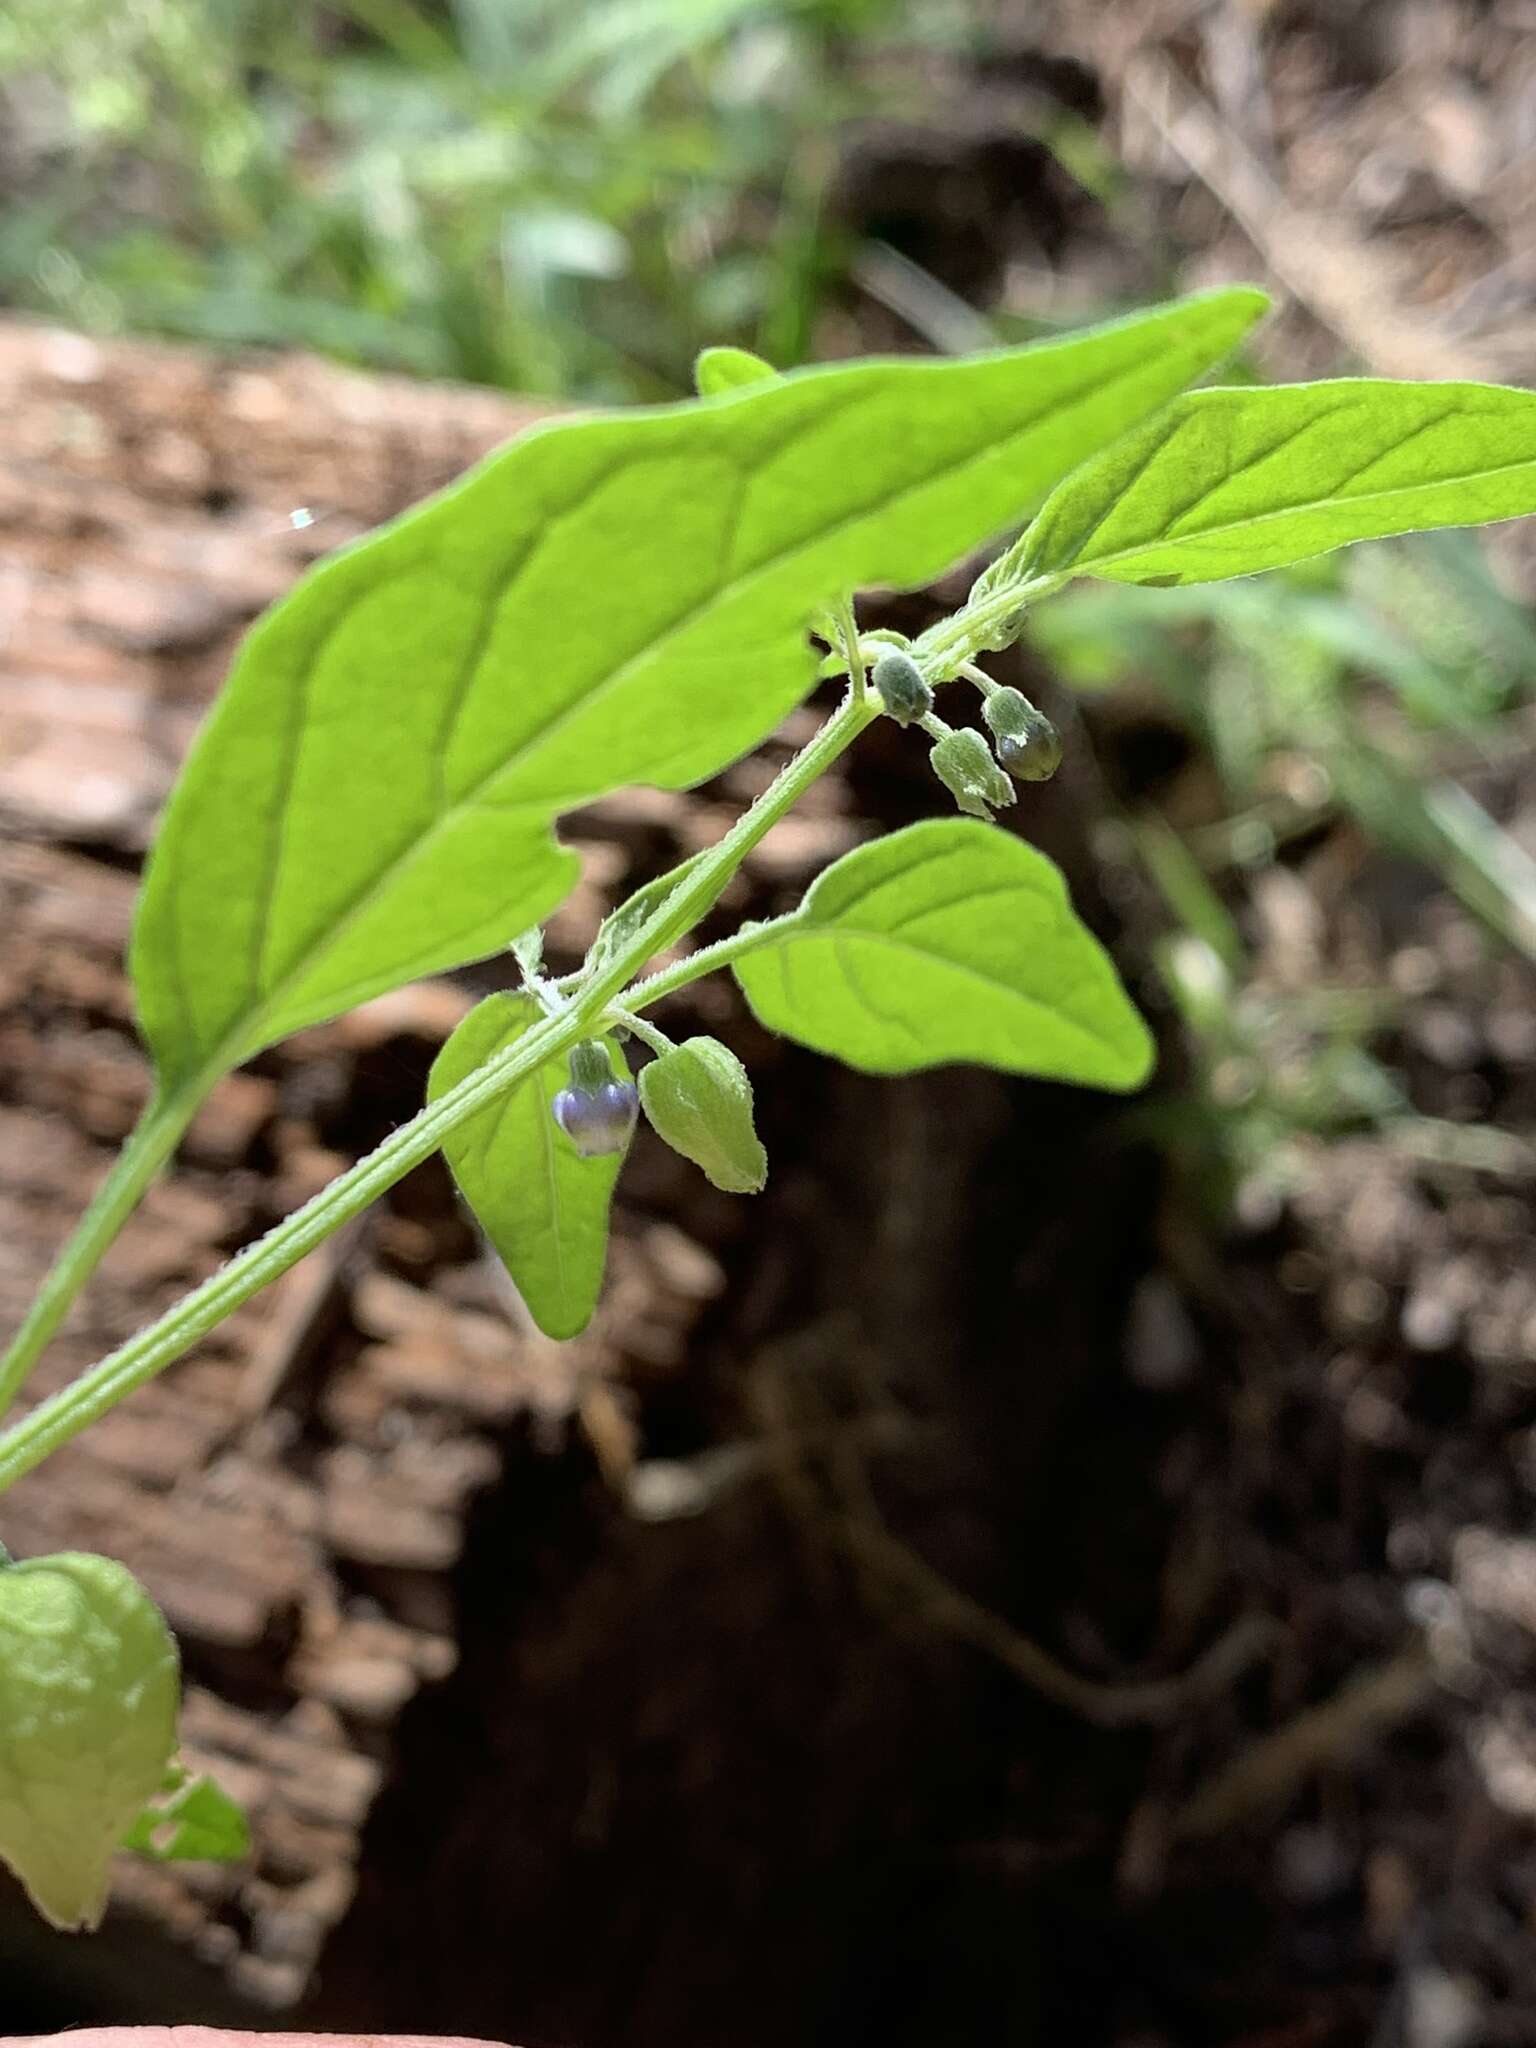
{"type": "Point", "coordinates": [239, 1044]}
{"type": "Point", "coordinates": [1034, 1003]}
{"type": "Point", "coordinates": [1231, 526]}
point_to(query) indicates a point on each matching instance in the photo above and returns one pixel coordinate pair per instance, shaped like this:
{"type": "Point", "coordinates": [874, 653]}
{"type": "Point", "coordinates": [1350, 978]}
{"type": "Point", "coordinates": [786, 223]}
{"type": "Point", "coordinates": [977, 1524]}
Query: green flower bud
{"type": "Point", "coordinates": [1028, 745]}
{"type": "Point", "coordinates": [89, 1687]}
{"type": "Point", "coordinates": [699, 1099]}
{"type": "Point", "coordinates": [964, 764]}
{"type": "Point", "coordinates": [903, 688]}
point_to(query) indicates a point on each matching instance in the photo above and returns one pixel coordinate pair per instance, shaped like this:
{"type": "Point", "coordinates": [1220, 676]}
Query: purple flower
{"type": "Point", "coordinates": [597, 1120]}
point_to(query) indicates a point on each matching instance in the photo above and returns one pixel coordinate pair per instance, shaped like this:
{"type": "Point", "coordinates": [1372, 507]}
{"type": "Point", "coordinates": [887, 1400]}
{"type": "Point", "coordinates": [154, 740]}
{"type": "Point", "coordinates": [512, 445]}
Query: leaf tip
{"type": "Point", "coordinates": [1136, 1057]}
{"type": "Point", "coordinates": [1249, 301]}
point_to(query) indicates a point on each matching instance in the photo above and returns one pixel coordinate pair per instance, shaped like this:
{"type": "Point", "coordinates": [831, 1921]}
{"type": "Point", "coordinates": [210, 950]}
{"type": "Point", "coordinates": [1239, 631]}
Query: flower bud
{"type": "Point", "coordinates": [903, 688]}
{"type": "Point", "coordinates": [1028, 745]}
{"type": "Point", "coordinates": [598, 1120]}
{"type": "Point", "coordinates": [964, 764]}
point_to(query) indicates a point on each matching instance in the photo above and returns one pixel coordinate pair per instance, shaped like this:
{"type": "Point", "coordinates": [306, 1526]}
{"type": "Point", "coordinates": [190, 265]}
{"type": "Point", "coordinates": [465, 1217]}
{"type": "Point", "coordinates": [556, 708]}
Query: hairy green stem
{"type": "Point", "coordinates": [945, 649]}
{"type": "Point", "coordinates": [852, 648]}
{"type": "Point", "coordinates": [658, 1041]}
{"type": "Point", "coordinates": [55, 1421]}
{"type": "Point", "coordinates": [153, 1140]}
{"type": "Point", "coordinates": [666, 981]}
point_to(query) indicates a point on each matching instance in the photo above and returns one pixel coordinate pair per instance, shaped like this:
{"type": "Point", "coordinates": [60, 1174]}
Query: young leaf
{"type": "Point", "coordinates": [729, 369]}
{"type": "Point", "coordinates": [544, 1208]}
{"type": "Point", "coordinates": [947, 941]}
{"type": "Point", "coordinates": [89, 1687]}
{"type": "Point", "coordinates": [1227, 482]}
{"type": "Point", "coordinates": [698, 1097]}
{"type": "Point", "coordinates": [609, 600]}
{"type": "Point", "coordinates": [191, 1821]}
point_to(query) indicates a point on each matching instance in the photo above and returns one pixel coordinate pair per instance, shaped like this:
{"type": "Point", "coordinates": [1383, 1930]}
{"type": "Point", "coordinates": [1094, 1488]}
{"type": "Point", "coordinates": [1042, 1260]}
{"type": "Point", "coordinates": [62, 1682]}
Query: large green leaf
{"type": "Point", "coordinates": [543, 1207]}
{"type": "Point", "coordinates": [608, 600]}
{"type": "Point", "coordinates": [1226, 482]}
{"type": "Point", "coordinates": [947, 941]}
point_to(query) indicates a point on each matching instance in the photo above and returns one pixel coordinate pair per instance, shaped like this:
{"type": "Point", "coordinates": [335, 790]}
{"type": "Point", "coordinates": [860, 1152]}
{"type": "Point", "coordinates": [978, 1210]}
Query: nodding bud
{"type": "Point", "coordinates": [597, 1120]}
{"type": "Point", "coordinates": [903, 688]}
{"type": "Point", "coordinates": [1028, 745]}
{"type": "Point", "coordinates": [963, 763]}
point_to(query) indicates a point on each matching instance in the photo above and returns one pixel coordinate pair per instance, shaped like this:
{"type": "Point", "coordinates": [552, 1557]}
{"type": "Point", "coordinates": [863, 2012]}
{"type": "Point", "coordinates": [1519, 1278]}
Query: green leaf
{"type": "Point", "coordinates": [191, 1821]}
{"type": "Point", "coordinates": [698, 1097]}
{"type": "Point", "coordinates": [1227, 482]}
{"type": "Point", "coordinates": [609, 600]}
{"type": "Point", "coordinates": [947, 941]}
{"type": "Point", "coordinates": [89, 1687]}
{"type": "Point", "coordinates": [543, 1207]}
{"type": "Point", "coordinates": [729, 369]}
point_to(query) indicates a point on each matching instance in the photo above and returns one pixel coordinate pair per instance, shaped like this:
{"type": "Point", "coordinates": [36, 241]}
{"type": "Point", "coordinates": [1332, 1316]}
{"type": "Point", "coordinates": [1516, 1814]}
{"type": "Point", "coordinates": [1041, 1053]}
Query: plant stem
{"type": "Point", "coordinates": [853, 651]}
{"type": "Point", "coordinates": [694, 966]}
{"type": "Point", "coordinates": [980, 678]}
{"type": "Point", "coordinates": [545, 994]}
{"type": "Point", "coordinates": [945, 648]}
{"type": "Point", "coordinates": [680, 911]}
{"type": "Point", "coordinates": [55, 1421]}
{"type": "Point", "coordinates": [658, 1041]}
{"type": "Point", "coordinates": [154, 1138]}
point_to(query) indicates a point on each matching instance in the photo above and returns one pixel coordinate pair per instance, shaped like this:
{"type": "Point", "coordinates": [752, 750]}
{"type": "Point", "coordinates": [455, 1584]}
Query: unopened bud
{"type": "Point", "coordinates": [1028, 745]}
{"type": "Point", "coordinates": [963, 763]}
{"type": "Point", "coordinates": [903, 688]}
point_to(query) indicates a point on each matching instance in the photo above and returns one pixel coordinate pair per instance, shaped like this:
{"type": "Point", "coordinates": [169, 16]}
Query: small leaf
{"type": "Point", "coordinates": [89, 1687]}
{"type": "Point", "coordinates": [698, 1097]}
{"type": "Point", "coordinates": [947, 941]}
{"type": "Point", "coordinates": [729, 369]}
{"type": "Point", "coordinates": [543, 1207]}
{"type": "Point", "coordinates": [607, 601]}
{"type": "Point", "coordinates": [1228, 482]}
{"type": "Point", "coordinates": [191, 1821]}
{"type": "Point", "coordinates": [528, 951]}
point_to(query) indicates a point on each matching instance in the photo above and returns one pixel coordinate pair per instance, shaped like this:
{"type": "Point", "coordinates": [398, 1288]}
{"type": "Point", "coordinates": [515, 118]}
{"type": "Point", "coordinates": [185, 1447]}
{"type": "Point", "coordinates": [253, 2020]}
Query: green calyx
{"type": "Point", "coordinates": [590, 1065]}
{"type": "Point", "coordinates": [698, 1098]}
{"type": "Point", "coordinates": [903, 689]}
{"type": "Point", "coordinates": [963, 763]}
